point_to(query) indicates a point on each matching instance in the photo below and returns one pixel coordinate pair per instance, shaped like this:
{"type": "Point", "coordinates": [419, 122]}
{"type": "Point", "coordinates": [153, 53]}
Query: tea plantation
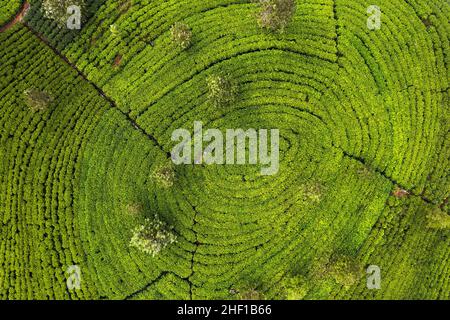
{"type": "Point", "coordinates": [87, 115]}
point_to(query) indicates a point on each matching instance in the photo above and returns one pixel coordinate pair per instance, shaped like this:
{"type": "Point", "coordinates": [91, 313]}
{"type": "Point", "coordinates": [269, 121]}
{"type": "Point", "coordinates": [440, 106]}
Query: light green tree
{"type": "Point", "coordinates": [345, 270]}
{"type": "Point", "coordinates": [438, 219]}
{"type": "Point", "coordinates": [164, 175]}
{"type": "Point", "coordinates": [37, 100]}
{"type": "Point", "coordinates": [250, 293]}
{"type": "Point", "coordinates": [57, 9]}
{"type": "Point", "coordinates": [275, 15]}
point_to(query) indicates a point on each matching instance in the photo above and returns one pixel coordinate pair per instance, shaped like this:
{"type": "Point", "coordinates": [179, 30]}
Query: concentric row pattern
{"type": "Point", "coordinates": [40, 167]}
{"type": "Point", "coordinates": [360, 112]}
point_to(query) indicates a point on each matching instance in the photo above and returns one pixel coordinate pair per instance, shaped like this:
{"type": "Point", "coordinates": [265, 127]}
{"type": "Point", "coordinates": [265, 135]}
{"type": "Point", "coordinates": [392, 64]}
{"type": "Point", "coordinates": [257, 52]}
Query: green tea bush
{"type": "Point", "coordinates": [8, 8]}
{"type": "Point", "coordinates": [53, 142]}
{"type": "Point", "coordinates": [152, 236]}
{"type": "Point", "coordinates": [341, 95]}
{"type": "Point", "coordinates": [37, 100]}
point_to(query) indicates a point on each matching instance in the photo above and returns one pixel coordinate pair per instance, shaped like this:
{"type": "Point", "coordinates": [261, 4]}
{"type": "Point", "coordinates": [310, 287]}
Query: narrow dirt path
{"type": "Point", "coordinates": [111, 102]}
{"type": "Point", "coordinates": [18, 18]}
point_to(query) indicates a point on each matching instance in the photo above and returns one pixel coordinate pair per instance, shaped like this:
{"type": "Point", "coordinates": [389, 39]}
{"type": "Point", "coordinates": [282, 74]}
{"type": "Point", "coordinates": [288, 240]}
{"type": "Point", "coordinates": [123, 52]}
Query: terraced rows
{"type": "Point", "coordinates": [360, 113]}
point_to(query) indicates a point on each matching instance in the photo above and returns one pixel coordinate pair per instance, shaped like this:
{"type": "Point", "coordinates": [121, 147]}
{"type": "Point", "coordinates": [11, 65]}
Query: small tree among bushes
{"type": "Point", "coordinates": [134, 209]}
{"type": "Point", "coordinates": [312, 192]}
{"type": "Point", "coordinates": [275, 15]}
{"type": "Point", "coordinates": [345, 270]}
{"type": "Point", "coordinates": [152, 236]}
{"type": "Point", "coordinates": [37, 100]}
{"type": "Point", "coordinates": [250, 294]}
{"type": "Point", "coordinates": [221, 90]}
{"type": "Point", "coordinates": [181, 35]}
{"type": "Point", "coordinates": [124, 6]}
{"type": "Point", "coordinates": [115, 31]}
{"type": "Point", "coordinates": [438, 219]}
{"type": "Point", "coordinates": [400, 193]}
{"type": "Point", "coordinates": [164, 175]}
{"type": "Point", "coordinates": [294, 287]}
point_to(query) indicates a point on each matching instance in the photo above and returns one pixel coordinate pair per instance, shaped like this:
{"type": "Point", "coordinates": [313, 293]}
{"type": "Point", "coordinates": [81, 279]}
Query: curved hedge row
{"type": "Point", "coordinates": [8, 9]}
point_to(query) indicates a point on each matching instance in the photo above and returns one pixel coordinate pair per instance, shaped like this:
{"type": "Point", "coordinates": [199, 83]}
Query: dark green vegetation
{"type": "Point", "coordinates": [364, 152]}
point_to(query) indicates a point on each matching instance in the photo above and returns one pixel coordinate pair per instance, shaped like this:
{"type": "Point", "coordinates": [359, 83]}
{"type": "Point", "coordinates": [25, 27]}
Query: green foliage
{"type": "Point", "coordinates": [342, 96]}
{"type": "Point", "coordinates": [114, 30]}
{"type": "Point", "coordinates": [164, 175]}
{"type": "Point", "coordinates": [57, 9]}
{"type": "Point", "coordinates": [294, 287]}
{"type": "Point", "coordinates": [345, 270]}
{"type": "Point", "coordinates": [44, 148]}
{"type": "Point", "coordinates": [37, 100]}
{"type": "Point", "coordinates": [312, 192]}
{"type": "Point", "coordinates": [134, 209]}
{"type": "Point", "coordinates": [222, 90]}
{"type": "Point", "coordinates": [276, 15]}
{"type": "Point", "coordinates": [8, 8]}
{"type": "Point", "coordinates": [250, 294]}
{"type": "Point", "coordinates": [124, 6]}
{"type": "Point", "coordinates": [437, 219]}
{"type": "Point", "coordinates": [181, 35]}
{"type": "Point", "coordinates": [152, 237]}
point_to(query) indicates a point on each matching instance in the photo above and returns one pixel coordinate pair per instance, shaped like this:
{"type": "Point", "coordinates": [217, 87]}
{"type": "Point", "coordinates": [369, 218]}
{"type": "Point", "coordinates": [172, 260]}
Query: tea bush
{"type": "Point", "coordinates": [364, 151]}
